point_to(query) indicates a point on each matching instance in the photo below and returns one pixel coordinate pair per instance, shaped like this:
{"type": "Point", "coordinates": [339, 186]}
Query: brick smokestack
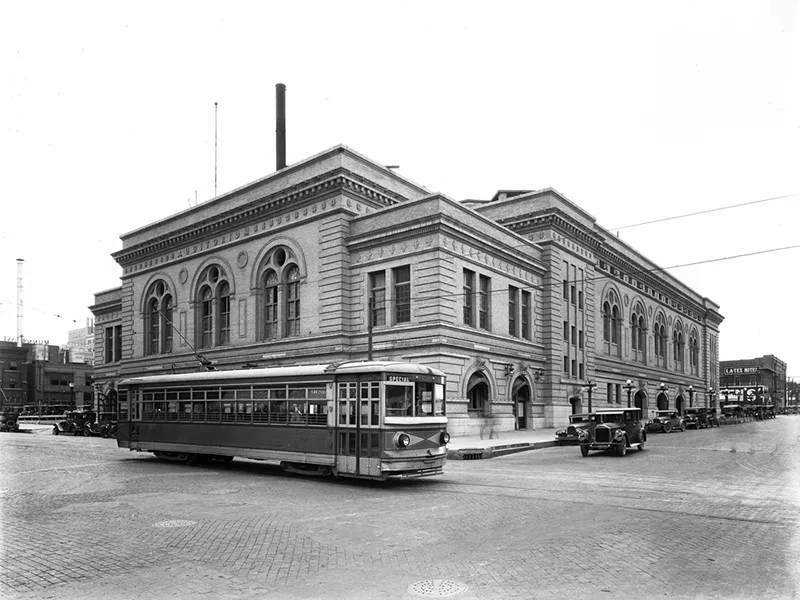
{"type": "Point", "coordinates": [280, 126]}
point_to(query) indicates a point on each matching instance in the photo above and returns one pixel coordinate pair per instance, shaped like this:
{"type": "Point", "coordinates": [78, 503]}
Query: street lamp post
{"type": "Point", "coordinates": [691, 396]}
{"type": "Point", "coordinates": [590, 385]}
{"type": "Point", "coordinates": [629, 388]}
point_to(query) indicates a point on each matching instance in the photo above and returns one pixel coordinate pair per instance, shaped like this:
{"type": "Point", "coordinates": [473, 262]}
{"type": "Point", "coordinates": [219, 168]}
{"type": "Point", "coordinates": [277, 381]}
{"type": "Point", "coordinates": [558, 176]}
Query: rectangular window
{"type": "Point", "coordinates": [574, 338]}
{"type": "Point", "coordinates": [109, 344]}
{"type": "Point", "coordinates": [402, 294]}
{"type": "Point", "coordinates": [580, 300]}
{"type": "Point", "coordinates": [117, 343]}
{"type": "Point", "coordinates": [580, 340]}
{"type": "Point", "coordinates": [566, 365]}
{"type": "Point", "coordinates": [485, 303]}
{"type": "Point", "coordinates": [566, 280]}
{"type": "Point", "coordinates": [574, 368]}
{"type": "Point", "coordinates": [377, 298]}
{"type": "Point", "coordinates": [580, 371]}
{"type": "Point", "coordinates": [513, 294]}
{"type": "Point", "coordinates": [526, 315]}
{"type": "Point", "coordinates": [469, 291]}
{"type": "Point", "coordinates": [609, 392]}
{"type": "Point", "coordinates": [566, 331]}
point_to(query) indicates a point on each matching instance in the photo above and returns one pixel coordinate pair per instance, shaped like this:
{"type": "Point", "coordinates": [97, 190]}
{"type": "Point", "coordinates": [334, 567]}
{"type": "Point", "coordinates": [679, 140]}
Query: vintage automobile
{"type": "Point", "coordinates": [613, 429]}
{"type": "Point", "coordinates": [691, 417]}
{"type": "Point", "coordinates": [666, 421]}
{"type": "Point", "coordinates": [570, 434]}
{"type": "Point", "coordinates": [75, 422]}
{"type": "Point", "coordinates": [8, 422]}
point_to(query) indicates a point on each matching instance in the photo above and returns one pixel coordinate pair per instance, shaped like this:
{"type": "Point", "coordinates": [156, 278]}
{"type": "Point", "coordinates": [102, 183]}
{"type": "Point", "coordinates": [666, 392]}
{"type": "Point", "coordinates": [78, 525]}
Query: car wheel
{"type": "Point", "coordinates": [585, 449]}
{"type": "Point", "coordinates": [641, 445]}
{"type": "Point", "coordinates": [55, 430]}
{"type": "Point", "coordinates": [667, 427]}
{"type": "Point", "coordinates": [622, 449]}
{"type": "Point", "coordinates": [683, 426]}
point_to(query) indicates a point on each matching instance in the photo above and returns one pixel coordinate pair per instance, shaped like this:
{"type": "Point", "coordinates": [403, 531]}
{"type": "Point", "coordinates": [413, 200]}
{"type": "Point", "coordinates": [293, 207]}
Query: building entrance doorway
{"type": "Point", "coordinates": [522, 403]}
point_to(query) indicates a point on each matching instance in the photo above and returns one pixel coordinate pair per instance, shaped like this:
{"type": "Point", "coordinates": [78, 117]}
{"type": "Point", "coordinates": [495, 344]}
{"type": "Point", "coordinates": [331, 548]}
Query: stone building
{"type": "Point", "coordinates": [523, 300]}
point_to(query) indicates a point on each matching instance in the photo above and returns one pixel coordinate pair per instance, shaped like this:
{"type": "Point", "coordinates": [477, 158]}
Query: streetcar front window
{"type": "Point", "coordinates": [399, 400]}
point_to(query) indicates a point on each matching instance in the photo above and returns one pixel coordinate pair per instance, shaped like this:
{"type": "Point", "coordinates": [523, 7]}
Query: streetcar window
{"type": "Point", "coordinates": [317, 412]}
{"type": "Point", "coordinates": [172, 411]}
{"type": "Point", "coordinates": [185, 411]}
{"type": "Point", "coordinates": [399, 400]}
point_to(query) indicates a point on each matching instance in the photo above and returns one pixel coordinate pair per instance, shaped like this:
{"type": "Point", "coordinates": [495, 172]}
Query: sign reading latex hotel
{"type": "Point", "coordinates": [733, 370]}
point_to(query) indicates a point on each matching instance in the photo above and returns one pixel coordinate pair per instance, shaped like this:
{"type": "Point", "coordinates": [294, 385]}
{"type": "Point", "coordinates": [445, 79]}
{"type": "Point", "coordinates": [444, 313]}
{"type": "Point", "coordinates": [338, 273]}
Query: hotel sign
{"type": "Point", "coordinates": [736, 370]}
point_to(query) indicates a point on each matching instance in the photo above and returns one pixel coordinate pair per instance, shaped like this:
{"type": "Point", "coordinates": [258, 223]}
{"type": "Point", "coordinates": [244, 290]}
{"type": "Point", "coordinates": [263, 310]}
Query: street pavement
{"type": "Point", "coordinates": [701, 514]}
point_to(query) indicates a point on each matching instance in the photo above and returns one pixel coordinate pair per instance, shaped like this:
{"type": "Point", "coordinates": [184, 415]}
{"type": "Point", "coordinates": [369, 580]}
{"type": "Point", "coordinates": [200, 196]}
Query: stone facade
{"type": "Point", "coordinates": [293, 269]}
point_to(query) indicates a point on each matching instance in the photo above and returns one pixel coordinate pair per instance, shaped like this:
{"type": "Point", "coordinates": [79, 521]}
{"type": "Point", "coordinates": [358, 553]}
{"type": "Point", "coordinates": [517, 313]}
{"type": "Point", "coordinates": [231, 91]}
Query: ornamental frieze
{"type": "Point", "coordinates": [230, 238]}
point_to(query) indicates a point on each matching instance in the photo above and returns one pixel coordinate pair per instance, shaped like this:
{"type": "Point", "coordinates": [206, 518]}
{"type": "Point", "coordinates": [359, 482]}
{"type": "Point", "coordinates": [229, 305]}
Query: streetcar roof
{"type": "Point", "coordinates": [287, 371]}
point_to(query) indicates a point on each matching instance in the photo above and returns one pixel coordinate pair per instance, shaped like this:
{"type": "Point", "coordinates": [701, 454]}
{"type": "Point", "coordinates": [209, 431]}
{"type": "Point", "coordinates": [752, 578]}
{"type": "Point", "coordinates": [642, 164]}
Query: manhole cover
{"type": "Point", "coordinates": [437, 588]}
{"type": "Point", "coordinates": [175, 524]}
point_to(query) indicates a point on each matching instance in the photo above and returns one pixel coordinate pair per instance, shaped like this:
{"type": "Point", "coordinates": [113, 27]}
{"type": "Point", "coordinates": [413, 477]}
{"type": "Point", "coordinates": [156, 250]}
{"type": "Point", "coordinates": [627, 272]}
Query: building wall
{"type": "Point", "coordinates": [343, 218]}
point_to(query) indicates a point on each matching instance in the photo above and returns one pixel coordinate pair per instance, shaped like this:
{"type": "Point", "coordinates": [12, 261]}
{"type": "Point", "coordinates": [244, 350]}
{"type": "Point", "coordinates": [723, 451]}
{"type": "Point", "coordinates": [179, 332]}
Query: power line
{"type": "Point", "coordinates": [702, 212]}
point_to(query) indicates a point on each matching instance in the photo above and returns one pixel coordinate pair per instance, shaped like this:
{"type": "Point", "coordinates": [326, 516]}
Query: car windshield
{"type": "Point", "coordinates": [609, 417]}
{"type": "Point", "coordinates": [578, 418]}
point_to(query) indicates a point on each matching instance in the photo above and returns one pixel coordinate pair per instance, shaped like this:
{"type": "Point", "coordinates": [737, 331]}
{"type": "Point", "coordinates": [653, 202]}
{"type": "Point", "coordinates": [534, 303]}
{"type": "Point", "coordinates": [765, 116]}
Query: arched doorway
{"type": "Point", "coordinates": [662, 402]}
{"type": "Point", "coordinates": [577, 405]}
{"type": "Point", "coordinates": [478, 395]}
{"type": "Point", "coordinates": [521, 394]}
{"type": "Point", "coordinates": [640, 401]}
{"type": "Point", "coordinates": [679, 402]}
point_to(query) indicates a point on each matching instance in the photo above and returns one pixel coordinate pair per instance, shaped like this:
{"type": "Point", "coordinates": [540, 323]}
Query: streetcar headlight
{"type": "Point", "coordinates": [445, 437]}
{"type": "Point", "coordinates": [401, 440]}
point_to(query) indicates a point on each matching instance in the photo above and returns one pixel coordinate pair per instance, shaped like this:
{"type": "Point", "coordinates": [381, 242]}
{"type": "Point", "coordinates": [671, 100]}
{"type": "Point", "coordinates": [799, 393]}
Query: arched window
{"type": "Point", "coordinates": [678, 347]}
{"type": "Point", "coordinates": [280, 295]}
{"type": "Point", "coordinates": [158, 319]}
{"type": "Point", "coordinates": [694, 353]}
{"type": "Point", "coordinates": [638, 334]}
{"type": "Point", "coordinates": [214, 308]}
{"type": "Point", "coordinates": [293, 301]}
{"type": "Point", "coordinates": [270, 305]}
{"type": "Point", "coordinates": [660, 341]}
{"type": "Point", "coordinates": [612, 324]}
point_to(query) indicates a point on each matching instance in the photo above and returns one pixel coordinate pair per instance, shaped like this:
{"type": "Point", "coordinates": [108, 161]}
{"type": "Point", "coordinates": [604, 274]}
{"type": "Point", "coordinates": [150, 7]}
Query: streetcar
{"type": "Point", "coordinates": [375, 420]}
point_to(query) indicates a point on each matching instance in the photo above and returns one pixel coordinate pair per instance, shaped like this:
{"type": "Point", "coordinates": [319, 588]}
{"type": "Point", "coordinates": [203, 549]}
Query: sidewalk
{"type": "Point", "coordinates": [471, 447]}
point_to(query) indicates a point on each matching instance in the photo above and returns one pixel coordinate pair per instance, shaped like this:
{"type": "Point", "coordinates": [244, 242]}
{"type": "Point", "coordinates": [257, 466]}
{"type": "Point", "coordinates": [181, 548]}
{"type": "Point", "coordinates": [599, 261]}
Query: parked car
{"type": "Point", "coordinates": [570, 434]}
{"type": "Point", "coordinates": [613, 429]}
{"type": "Point", "coordinates": [74, 422]}
{"type": "Point", "coordinates": [8, 422]}
{"type": "Point", "coordinates": [692, 418]}
{"type": "Point", "coordinates": [666, 421]}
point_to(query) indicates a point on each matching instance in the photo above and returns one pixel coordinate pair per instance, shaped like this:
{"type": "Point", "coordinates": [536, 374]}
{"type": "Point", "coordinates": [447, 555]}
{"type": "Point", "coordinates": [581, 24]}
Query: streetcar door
{"type": "Point", "coordinates": [358, 449]}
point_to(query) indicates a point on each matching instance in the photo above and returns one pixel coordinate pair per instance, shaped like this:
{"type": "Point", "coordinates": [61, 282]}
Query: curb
{"type": "Point", "coordinates": [494, 451]}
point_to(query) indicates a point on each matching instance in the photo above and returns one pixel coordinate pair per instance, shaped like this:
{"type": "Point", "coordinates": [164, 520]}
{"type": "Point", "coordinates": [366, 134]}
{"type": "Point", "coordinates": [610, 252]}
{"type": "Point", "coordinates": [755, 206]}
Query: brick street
{"type": "Point", "coordinates": [701, 514]}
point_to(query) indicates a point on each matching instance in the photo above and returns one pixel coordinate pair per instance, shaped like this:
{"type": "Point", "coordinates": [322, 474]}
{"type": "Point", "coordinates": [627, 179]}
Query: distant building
{"type": "Point", "coordinates": [759, 380]}
{"type": "Point", "coordinates": [38, 379]}
{"type": "Point", "coordinates": [80, 343]}
{"type": "Point", "coordinates": [532, 309]}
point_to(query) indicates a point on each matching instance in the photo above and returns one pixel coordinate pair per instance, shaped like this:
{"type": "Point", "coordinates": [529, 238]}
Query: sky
{"type": "Point", "coordinates": [636, 111]}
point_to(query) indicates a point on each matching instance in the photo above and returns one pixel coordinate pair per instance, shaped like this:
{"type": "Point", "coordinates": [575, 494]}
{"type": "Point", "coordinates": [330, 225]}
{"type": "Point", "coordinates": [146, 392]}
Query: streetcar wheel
{"type": "Point", "coordinates": [585, 449]}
